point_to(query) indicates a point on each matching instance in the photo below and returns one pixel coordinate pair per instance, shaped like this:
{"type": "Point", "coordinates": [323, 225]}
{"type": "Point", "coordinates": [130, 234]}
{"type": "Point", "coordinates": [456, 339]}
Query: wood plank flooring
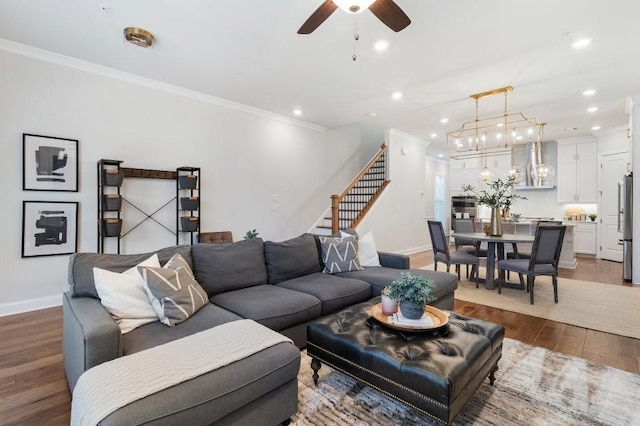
{"type": "Point", "coordinates": [33, 388]}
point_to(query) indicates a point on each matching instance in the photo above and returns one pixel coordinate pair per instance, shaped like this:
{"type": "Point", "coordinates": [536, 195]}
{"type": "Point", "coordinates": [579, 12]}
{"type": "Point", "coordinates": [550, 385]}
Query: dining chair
{"type": "Point", "coordinates": [442, 254]}
{"type": "Point", "coordinates": [465, 225]}
{"type": "Point", "coordinates": [517, 254]}
{"type": "Point", "coordinates": [545, 255]}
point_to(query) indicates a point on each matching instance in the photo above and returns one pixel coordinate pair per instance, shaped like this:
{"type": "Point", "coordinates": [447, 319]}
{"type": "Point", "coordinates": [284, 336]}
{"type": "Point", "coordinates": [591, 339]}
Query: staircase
{"type": "Point", "coordinates": [350, 207]}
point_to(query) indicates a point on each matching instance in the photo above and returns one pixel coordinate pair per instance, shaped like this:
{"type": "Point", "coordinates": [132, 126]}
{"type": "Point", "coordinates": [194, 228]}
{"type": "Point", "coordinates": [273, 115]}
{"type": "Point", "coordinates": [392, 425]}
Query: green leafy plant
{"type": "Point", "coordinates": [499, 195]}
{"type": "Point", "coordinates": [593, 216]}
{"type": "Point", "coordinates": [515, 216]}
{"type": "Point", "coordinates": [251, 234]}
{"type": "Point", "coordinates": [411, 288]}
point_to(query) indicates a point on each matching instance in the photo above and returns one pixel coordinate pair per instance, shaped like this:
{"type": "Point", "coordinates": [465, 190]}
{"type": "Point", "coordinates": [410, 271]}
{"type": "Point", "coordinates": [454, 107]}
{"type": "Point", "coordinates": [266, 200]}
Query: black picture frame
{"type": "Point", "coordinates": [49, 163]}
{"type": "Point", "coordinates": [49, 228]}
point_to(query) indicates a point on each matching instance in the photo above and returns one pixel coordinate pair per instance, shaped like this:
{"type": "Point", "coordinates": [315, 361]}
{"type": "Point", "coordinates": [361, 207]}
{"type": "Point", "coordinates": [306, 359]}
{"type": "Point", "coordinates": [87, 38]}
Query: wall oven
{"type": "Point", "coordinates": [462, 206]}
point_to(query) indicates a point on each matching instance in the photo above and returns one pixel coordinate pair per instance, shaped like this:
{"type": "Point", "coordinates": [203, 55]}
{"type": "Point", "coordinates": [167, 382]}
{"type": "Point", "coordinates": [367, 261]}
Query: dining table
{"type": "Point", "coordinates": [495, 249]}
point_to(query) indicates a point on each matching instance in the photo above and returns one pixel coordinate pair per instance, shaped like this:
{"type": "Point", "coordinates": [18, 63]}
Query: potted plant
{"type": "Point", "coordinates": [251, 234]}
{"type": "Point", "coordinates": [593, 216]}
{"type": "Point", "coordinates": [412, 293]}
{"type": "Point", "coordinates": [499, 197]}
{"type": "Point", "coordinates": [515, 216]}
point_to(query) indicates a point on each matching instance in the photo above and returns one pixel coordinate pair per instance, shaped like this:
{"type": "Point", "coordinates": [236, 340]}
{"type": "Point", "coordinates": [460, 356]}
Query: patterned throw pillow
{"type": "Point", "coordinates": [339, 254]}
{"type": "Point", "coordinates": [174, 292]}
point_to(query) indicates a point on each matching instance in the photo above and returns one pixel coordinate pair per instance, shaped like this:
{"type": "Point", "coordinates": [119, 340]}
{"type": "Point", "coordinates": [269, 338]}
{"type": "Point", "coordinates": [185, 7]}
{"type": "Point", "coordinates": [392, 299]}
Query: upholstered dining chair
{"type": "Point", "coordinates": [517, 254]}
{"type": "Point", "coordinates": [442, 254]}
{"type": "Point", "coordinates": [545, 255]}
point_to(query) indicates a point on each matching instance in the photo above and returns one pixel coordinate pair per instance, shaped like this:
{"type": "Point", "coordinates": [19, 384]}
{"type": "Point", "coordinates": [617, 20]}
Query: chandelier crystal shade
{"type": "Point", "coordinates": [496, 135]}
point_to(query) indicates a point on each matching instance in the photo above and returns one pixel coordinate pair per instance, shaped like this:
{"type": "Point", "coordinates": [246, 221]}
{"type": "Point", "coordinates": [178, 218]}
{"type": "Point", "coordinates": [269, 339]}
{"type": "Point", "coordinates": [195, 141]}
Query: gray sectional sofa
{"type": "Point", "coordinates": [278, 284]}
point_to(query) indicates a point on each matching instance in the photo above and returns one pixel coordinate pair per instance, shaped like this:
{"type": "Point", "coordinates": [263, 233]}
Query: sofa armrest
{"type": "Point", "coordinates": [393, 260]}
{"type": "Point", "coordinates": [90, 336]}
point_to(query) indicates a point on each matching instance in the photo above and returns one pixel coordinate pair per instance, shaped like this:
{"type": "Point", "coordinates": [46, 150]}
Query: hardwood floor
{"type": "Point", "coordinates": [33, 388]}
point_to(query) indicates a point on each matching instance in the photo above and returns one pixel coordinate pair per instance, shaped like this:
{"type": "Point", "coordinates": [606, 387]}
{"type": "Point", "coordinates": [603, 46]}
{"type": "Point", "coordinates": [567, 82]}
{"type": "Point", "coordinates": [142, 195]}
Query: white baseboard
{"type": "Point", "coordinates": [415, 250]}
{"type": "Point", "coordinates": [30, 305]}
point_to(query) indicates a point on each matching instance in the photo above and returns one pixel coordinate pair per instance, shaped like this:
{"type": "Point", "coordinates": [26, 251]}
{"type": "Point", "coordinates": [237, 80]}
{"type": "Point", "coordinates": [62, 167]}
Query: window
{"type": "Point", "coordinates": [439, 210]}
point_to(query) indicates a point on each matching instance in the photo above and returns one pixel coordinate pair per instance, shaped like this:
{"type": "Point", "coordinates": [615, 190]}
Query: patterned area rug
{"type": "Point", "coordinates": [597, 306]}
{"type": "Point", "coordinates": [533, 386]}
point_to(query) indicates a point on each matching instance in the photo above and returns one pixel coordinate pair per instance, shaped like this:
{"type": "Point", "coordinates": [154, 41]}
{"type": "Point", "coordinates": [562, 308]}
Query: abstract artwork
{"type": "Point", "coordinates": [49, 163]}
{"type": "Point", "coordinates": [49, 228]}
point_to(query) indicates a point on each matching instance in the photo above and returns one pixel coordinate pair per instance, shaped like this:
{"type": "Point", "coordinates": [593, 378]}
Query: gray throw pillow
{"type": "Point", "coordinates": [339, 254]}
{"type": "Point", "coordinates": [292, 258]}
{"type": "Point", "coordinates": [174, 292]}
{"type": "Point", "coordinates": [225, 267]}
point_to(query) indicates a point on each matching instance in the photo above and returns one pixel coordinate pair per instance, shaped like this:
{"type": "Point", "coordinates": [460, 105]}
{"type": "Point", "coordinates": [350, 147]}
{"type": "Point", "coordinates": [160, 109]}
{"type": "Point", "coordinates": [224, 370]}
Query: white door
{"type": "Point", "coordinates": [613, 168]}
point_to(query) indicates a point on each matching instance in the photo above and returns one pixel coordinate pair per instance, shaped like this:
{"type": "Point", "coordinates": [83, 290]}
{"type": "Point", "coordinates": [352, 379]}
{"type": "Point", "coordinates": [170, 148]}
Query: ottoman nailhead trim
{"type": "Point", "coordinates": [419, 395]}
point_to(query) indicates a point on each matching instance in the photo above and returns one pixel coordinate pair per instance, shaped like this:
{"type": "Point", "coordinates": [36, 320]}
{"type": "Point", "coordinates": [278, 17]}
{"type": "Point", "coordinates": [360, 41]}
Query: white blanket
{"type": "Point", "coordinates": [105, 388]}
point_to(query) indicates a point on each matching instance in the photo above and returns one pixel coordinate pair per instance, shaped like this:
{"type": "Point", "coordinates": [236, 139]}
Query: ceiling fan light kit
{"type": "Point", "coordinates": [386, 11]}
{"type": "Point", "coordinates": [138, 36]}
{"type": "Point", "coordinates": [353, 6]}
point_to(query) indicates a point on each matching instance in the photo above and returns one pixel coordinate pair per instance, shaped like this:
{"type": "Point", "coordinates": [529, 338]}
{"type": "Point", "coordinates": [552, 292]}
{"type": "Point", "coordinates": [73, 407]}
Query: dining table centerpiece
{"type": "Point", "coordinates": [499, 197]}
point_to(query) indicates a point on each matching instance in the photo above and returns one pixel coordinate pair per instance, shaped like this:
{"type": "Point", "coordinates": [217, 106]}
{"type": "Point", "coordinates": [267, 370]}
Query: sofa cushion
{"type": "Point", "coordinates": [292, 258]}
{"type": "Point", "coordinates": [272, 306]}
{"type": "Point", "coordinates": [124, 296]}
{"type": "Point", "coordinates": [225, 267]}
{"type": "Point", "coordinates": [80, 272]}
{"type": "Point", "coordinates": [379, 277]}
{"type": "Point", "coordinates": [339, 254]}
{"type": "Point", "coordinates": [173, 291]}
{"type": "Point", "coordinates": [333, 292]}
{"type": "Point", "coordinates": [367, 252]}
{"type": "Point", "coordinates": [155, 333]}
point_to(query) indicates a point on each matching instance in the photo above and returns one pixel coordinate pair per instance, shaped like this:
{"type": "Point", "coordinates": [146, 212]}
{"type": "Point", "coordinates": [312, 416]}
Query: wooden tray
{"type": "Point", "coordinates": [438, 317]}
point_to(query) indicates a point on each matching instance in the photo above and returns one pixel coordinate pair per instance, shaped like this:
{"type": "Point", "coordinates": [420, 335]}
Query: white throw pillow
{"type": "Point", "coordinates": [124, 296]}
{"type": "Point", "coordinates": [367, 252]}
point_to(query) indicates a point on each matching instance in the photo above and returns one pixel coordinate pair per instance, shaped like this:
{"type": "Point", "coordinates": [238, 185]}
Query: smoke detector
{"type": "Point", "coordinates": [138, 36]}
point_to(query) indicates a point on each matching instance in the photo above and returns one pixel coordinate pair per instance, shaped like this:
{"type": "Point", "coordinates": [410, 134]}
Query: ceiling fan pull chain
{"type": "Point", "coordinates": [356, 36]}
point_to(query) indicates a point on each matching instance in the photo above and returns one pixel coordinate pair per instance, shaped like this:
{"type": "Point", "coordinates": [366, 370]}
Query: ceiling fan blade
{"type": "Point", "coordinates": [318, 17]}
{"type": "Point", "coordinates": [390, 14]}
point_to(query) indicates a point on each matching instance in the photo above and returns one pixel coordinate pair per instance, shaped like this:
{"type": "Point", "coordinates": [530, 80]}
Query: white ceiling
{"type": "Point", "coordinates": [248, 51]}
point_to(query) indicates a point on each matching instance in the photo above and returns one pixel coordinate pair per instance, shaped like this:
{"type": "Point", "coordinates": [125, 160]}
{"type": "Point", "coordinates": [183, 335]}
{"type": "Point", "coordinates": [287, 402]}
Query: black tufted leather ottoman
{"type": "Point", "coordinates": [435, 372]}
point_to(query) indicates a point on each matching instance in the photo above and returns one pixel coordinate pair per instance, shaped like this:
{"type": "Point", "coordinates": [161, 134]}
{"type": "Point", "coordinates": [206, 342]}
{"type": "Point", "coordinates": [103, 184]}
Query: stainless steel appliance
{"type": "Point", "coordinates": [625, 223]}
{"type": "Point", "coordinates": [462, 206]}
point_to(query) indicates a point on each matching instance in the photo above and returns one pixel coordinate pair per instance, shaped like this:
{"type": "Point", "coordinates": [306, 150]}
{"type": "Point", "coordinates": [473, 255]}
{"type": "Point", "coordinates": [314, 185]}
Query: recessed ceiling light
{"type": "Point", "coordinates": [444, 120]}
{"type": "Point", "coordinates": [580, 43]}
{"type": "Point", "coordinates": [381, 45]}
{"type": "Point", "coordinates": [297, 112]}
{"type": "Point", "coordinates": [592, 109]}
{"type": "Point", "coordinates": [500, 124]}
{"type": "Point", "coordinates": [396, 95]}
{"type": "Point", "coordinates": [589, 92]}
{"type": "Point", "coordinates": [372, 114]}
{"type": "Point", "coordinates": [440, 155]}
{"type": "Point", "coordinates": [595, 128]}
{"type": "Point", "coordinates": [434, 135]}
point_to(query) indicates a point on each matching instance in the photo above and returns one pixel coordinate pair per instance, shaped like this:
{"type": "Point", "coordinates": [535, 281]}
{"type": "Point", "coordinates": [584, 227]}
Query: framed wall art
{"type": "Point", "coordinates": [49, 228]}
{"type": "Point", "coordinates": [49, 163]}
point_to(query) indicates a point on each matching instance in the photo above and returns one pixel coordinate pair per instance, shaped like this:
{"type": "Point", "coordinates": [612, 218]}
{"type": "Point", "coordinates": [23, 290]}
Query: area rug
{"type": "Point", "coordinates": [533, 386]}
{"type": "Point", "coordinates": [597, 306]}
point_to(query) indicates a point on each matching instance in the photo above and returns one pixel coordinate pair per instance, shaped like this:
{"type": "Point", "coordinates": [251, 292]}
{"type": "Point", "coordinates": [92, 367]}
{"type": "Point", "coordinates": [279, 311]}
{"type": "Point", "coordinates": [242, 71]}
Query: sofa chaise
{"type": "Point", "coordinates": [280, 285]}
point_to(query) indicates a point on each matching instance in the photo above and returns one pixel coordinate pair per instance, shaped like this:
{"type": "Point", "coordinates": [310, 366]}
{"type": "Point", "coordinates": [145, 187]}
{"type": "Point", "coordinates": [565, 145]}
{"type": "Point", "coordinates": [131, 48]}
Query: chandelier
{"type": "Point", "coordinates": [494, 136]}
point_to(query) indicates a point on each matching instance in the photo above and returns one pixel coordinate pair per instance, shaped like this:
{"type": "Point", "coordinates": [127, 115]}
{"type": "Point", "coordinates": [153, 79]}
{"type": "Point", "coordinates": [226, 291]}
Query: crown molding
{"type": "Point", "coordinates": [68, 61]}
{"type": "Point", "coordinates": [610, 130]}
{"type": "Point", "coordinates": [632, 101]}
{"type": "Point", "coordinates": [396, 132]}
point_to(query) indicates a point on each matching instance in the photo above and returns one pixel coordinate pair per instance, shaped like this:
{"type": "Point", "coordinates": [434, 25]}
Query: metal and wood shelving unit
{"type": "Point", "coordinates": [111, 175]}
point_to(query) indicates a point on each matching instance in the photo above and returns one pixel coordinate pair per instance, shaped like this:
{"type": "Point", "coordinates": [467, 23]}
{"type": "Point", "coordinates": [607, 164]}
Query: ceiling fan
{"type": "Point", "coordinates": [386, 11]}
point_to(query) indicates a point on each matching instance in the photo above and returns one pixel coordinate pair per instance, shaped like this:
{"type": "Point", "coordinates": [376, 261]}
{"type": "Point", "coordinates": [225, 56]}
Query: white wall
{"type": "Point", "coordinates": [249, 161]}
{"type": "Point", "coordinates": [397, 220]}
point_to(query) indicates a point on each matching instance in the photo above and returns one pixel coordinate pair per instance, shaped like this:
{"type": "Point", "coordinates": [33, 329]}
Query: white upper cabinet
{"type": "Point", "coordinates": [463, 172]}
{"type": "Point", "coordinates": [577, 171]}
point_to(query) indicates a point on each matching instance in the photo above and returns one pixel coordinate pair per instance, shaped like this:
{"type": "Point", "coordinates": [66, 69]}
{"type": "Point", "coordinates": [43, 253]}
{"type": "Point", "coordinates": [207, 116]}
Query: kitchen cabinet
{"type": "Point", "coordinates": [584, 238]}
{"type": "Point", "coordinates": [463, 172]}
{"type": "Point", "coordinates": [577, 171]}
